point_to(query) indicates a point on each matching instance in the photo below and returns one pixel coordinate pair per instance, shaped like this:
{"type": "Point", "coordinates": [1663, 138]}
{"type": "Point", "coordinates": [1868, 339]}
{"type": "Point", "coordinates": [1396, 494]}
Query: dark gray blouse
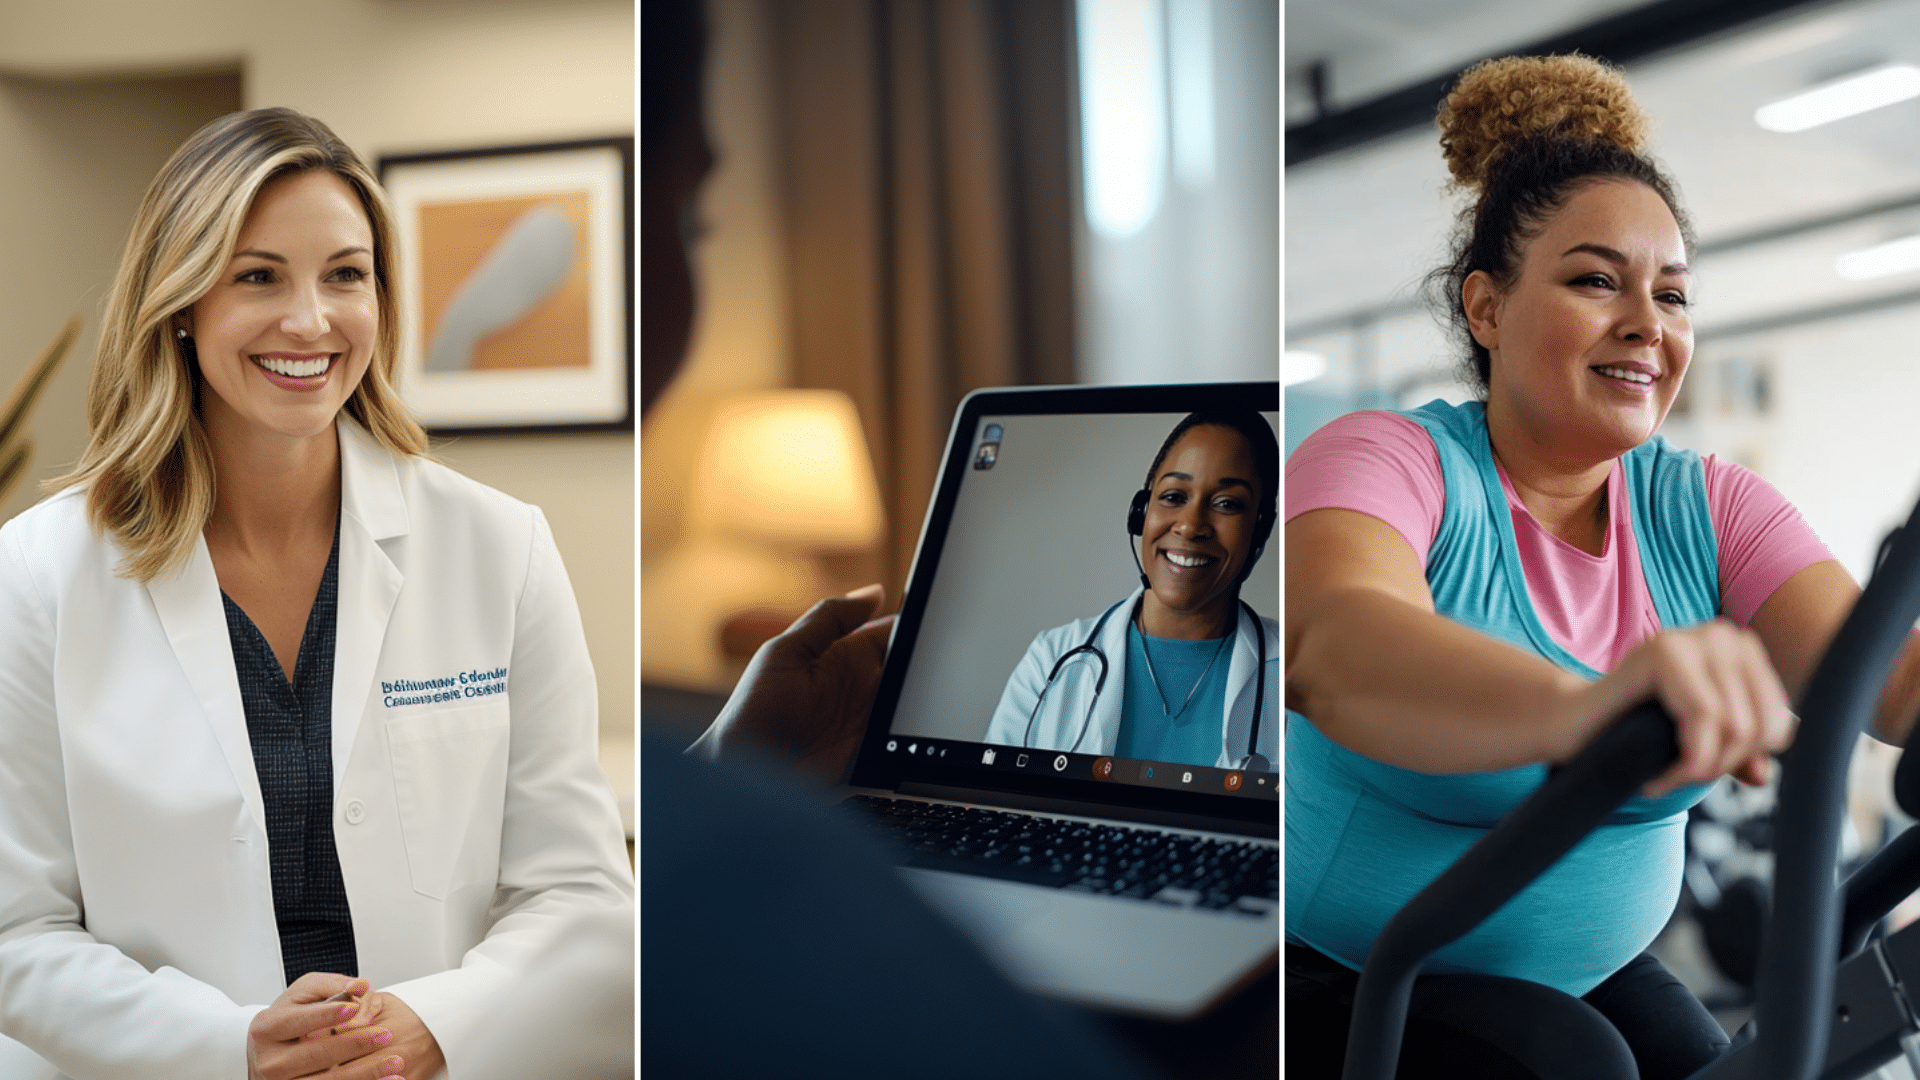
{"type": "Point", "coordinates": [290, 726]}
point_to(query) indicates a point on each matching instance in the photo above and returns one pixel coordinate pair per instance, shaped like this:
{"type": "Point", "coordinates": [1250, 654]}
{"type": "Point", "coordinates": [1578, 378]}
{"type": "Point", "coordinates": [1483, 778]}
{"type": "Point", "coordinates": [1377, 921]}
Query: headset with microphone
{"type": "Point", "coordinates": [1253, 760]}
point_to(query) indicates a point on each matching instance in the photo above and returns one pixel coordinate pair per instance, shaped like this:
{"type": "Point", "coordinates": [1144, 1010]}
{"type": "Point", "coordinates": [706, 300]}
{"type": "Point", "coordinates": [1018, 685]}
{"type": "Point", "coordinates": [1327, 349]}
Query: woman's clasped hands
{"type": "Point", "coordinates": [1717, 682]}
{"type": "Point", "coordinates": [310, 1031]}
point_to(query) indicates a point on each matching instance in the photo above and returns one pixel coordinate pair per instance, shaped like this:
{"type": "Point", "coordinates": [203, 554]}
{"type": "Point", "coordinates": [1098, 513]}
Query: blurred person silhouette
{"type": "Point", "coordinates": [776, 937]}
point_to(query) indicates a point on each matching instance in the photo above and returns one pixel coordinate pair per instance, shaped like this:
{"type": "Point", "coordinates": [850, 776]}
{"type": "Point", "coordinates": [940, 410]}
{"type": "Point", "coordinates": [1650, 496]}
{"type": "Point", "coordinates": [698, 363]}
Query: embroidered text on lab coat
{"type": "Point", "coordinates": [465, 684]}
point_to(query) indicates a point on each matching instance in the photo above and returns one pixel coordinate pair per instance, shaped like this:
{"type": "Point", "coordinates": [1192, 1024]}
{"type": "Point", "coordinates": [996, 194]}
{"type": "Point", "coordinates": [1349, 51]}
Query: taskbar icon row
{"type": "Point", "coordinates": [1164, 774]}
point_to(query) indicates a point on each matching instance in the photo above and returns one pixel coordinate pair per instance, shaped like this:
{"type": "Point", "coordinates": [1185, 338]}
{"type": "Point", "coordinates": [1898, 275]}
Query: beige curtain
{"type": "Point", "coordinates": [929, 166]}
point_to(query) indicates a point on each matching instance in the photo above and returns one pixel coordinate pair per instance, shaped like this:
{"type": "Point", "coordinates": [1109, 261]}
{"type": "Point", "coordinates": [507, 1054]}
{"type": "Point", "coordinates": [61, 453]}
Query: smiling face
{"type": "Point", "coordinates": [1199, 532]}
{"type": "Point", "coordinates": [1591, 340]}
{"type": "Point", "coordinates": [287, 332]}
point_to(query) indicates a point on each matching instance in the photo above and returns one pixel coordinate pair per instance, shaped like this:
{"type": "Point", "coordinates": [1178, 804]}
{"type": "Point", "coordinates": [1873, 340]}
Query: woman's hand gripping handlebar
{"type": "Point", "coordinates": [1716, 682]}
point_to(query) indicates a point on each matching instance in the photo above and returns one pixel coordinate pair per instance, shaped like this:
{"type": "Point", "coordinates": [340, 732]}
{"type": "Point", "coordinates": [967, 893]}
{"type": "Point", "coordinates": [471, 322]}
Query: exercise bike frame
{"type": "Point", "coordinates": [1796, 989]}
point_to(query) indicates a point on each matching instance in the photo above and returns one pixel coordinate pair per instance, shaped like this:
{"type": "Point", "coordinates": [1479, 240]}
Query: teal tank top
{"type": "Point", "coordinates": [1364, 837]}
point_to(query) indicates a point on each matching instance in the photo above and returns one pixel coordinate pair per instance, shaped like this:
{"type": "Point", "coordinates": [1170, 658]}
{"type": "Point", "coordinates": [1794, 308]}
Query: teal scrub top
{"type": "Point", "coordinates": [1153, 724]}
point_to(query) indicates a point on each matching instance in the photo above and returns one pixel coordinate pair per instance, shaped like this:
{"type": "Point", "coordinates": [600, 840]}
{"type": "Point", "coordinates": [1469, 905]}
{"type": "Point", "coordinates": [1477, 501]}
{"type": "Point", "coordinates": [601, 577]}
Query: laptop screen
{"type": "Point", "coordinates": [1029, 656]}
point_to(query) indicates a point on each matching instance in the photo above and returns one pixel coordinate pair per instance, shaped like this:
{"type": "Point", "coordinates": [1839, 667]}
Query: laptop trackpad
{"type": "Point", "coordinates": [1116, 954]}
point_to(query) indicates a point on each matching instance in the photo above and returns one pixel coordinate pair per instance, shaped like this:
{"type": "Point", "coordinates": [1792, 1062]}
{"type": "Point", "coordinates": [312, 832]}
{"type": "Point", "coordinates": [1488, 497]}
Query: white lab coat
{"type": "Point", "coordinates": [137, 934]}
{"type": "Point", "coordinates": [1063, 715]}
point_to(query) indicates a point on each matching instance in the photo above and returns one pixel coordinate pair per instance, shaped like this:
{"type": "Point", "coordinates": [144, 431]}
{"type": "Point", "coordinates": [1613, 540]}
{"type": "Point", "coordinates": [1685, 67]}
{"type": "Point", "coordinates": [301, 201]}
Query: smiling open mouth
{"type": "Point", "coordinates": [1623, 374]}
{"type": "Point", "coordinates": [1187, 561]}
{"type": "Point", "coordinates": [295, 369]}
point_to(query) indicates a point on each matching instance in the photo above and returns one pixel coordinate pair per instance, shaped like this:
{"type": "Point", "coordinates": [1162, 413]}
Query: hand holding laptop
{"type": "Point", "coordinates": [807, 692]}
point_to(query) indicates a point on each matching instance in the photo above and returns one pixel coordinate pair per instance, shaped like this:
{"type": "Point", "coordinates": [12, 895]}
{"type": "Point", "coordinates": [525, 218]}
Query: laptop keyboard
{"type": "Point", "coordinates": [1222, 874]}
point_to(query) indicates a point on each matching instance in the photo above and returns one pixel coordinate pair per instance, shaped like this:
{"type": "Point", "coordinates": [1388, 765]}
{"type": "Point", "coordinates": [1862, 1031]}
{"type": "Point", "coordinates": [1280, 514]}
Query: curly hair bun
{"type": "Point", "coordinates": [1499, 102]}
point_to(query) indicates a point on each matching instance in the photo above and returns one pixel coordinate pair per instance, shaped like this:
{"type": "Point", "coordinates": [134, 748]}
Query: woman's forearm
{"type": "Point", "coordinates": [1411, 688]}
{"type": "Point", "coordinates": [1799, 622]}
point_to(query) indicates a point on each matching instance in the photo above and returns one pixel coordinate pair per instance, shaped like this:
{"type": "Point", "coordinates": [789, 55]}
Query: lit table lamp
{"type": "Point", "coordinates": [785, 473]}
{"type": "Point", "coordinates": [788, 468]}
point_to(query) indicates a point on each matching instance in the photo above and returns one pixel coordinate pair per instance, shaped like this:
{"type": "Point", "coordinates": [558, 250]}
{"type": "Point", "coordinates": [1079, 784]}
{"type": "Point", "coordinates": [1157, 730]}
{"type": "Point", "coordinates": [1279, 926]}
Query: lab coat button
{"type": "Point", "coordinates": [356, 812]}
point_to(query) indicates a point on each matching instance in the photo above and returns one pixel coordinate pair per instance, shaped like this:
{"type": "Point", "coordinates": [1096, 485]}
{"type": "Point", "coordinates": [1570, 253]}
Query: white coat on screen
{"type": "Point", "coordinates": [1064, 719]}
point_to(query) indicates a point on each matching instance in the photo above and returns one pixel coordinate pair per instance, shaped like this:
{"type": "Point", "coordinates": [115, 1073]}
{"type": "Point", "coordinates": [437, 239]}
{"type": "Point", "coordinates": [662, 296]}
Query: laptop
{"type": "Point", "coordinates": [1133, 867]}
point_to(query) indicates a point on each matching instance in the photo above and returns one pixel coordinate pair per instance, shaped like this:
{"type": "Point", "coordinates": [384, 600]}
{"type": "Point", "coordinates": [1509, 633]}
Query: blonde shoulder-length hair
{"type": "Point", "coordinates": [148, 470]}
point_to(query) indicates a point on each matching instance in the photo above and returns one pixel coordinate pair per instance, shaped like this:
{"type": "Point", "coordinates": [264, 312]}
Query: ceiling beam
{"type": "Point", "coordinates": [1621, 39]}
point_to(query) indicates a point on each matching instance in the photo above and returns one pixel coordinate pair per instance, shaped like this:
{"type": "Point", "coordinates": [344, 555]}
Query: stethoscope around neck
{"type": "Point", "coordinates": [1253, 761]}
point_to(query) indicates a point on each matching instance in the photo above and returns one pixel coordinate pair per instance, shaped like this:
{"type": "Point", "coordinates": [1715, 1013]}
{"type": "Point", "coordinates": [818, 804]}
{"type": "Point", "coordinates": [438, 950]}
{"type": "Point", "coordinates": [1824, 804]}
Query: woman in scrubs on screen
{"type": "Point", "coordinates": [1181, 670]}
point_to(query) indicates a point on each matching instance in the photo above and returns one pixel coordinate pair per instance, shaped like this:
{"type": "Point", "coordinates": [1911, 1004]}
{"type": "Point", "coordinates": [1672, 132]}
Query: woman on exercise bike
{"type": "Point", "coordinates": [1473, 591]}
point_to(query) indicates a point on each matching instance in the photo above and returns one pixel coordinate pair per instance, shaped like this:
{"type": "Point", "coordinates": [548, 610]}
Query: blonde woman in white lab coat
{"type": "Point", "coordinates": [203, 801]}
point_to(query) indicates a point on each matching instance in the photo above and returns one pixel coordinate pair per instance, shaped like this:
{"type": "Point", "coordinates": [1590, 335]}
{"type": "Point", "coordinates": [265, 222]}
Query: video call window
{"type": "Point", "coordinates": [1031, 640]}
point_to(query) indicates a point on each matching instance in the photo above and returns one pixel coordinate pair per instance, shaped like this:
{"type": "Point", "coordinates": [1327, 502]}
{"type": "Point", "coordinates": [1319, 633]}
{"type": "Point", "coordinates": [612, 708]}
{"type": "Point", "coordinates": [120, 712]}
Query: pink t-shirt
{"type": "Point", "coordinates": [1596, 606]}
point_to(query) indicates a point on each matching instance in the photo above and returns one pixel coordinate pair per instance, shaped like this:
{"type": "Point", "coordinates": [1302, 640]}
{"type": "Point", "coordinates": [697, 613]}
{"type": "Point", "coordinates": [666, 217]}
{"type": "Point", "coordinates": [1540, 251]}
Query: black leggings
{"type": "Point", "coordinates": [1640, 1021]}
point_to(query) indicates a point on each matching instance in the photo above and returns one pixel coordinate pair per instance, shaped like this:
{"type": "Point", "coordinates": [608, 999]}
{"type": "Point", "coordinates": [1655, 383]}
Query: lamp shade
{"type": "Point", "coordinates": [788, 467]}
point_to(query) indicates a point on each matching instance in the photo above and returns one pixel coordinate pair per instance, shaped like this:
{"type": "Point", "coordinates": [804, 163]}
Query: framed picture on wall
{"type": "Point", "coordinates": [515, 295]}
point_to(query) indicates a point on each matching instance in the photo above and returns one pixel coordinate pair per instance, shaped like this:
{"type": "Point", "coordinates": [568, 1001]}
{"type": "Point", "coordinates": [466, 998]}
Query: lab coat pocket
{"type": "Point", "coordinates": [449, 781]}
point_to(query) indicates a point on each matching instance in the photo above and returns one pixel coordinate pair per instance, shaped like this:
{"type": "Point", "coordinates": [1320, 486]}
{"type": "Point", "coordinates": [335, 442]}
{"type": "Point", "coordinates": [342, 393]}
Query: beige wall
{"type": "Point", "coordinates": [79, 139]}
{"type": "Point", "coordinates": [75, 157]}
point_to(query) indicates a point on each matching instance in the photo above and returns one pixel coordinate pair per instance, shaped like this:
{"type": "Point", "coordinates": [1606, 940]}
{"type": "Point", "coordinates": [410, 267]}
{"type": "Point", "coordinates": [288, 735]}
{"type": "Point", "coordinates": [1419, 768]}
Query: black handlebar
{"type": "Point", "coordinates": [1893, 873]}
{"type": "Point", "coordinates": [1802, 936]}
{"type": "Point", "coordinates": [1877, 888]}
{"type": "Point", "coordinates": [1579, 796]}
